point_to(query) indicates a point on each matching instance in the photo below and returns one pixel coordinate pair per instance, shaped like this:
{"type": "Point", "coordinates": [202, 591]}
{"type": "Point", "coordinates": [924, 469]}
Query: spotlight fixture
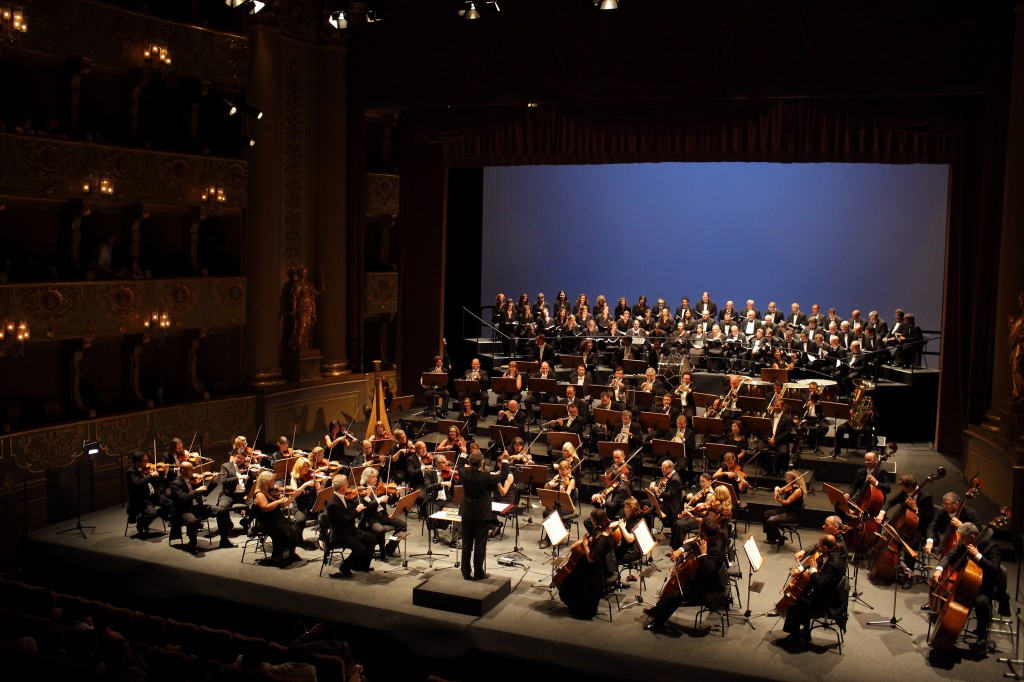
{"type": "Point", "coordinates": [242, 105]}
{"type": "Point", "coordinates": [471, 13]}
{"type": "Point", "coordinates": [250, 6]}
{"type": "Point", "coordinates": [338, 20]}
{"type": "Point", "coordinates": [608, 4]}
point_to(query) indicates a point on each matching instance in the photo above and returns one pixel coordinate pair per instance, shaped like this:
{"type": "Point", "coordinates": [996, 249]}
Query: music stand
{"type": "Point", "coordinates": [444, 424]}
{"type": "Point", "coordinates": [552, 411]}
{"type": "Point", "coordinates": [538, 385]}
{"type": "Point", "coordinates": [703, 399]}
{"type": "Point", "coordinates": [433, 380]}
{"type": "Point", "coordinates": [527, 367]}
{"type": "Point", "coordinates": [709, 426]}
{"type": "Point", "coordinates": [669, 449]}
{"type": "Point", "coordinates": [321, 499]}
{"type": "Point", "coordinates": [401, 403]}
{"type": "Point", "coordinates": [716, 451]}
{"type": "Point", "coordinates": [404, 505]}
{"type": "Point", "coordinates": [635, 368]}
{"type": "Point", "coordinates": [571, 361]}
{"type": "Point", "coordinates": [607, 418]}
{"type": "Point", "coordinates": [759, 426]}
{"type": "Point", "coordinates": [557, 534]}
{"type": "Point", "coordinates": [836, 411]}
{"type": "Point", "coordinates": [504, 385]}
{"type": "Point", "coordinates": [659, 421]}
{"type": "Point", "coordinates": [773, 375]}
{"type": "Point", "coordinates": [468, 386]}
{"type": "Point", "coordinates": [754, 563]}
{"type": "Point", "coordinates": [556, 439]}
{"type": "Point", "coordinates": [750, 403]}
{"type": "Point", "coordinates": [504, 434]}
{"type": "Point", "coordinates": [647, 543]}
{"type": "Point", "coordinates": [89, 451]}
{"type": "Point", "coordinates": [594, 391]}
{"type": "Point", "coordinates": [638, 397]}
{"type": "Point", "coordinates": [531, 474]}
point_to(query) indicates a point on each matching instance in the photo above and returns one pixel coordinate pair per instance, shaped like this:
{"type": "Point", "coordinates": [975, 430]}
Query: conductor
{"type": "Point", "coordinates": [476, 513]}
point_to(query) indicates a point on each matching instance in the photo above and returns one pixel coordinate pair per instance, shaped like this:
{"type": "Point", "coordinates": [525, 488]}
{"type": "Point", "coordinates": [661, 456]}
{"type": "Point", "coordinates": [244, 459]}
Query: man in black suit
{"type": "Point", "coordinates": [669, 491]}
{"type": "Point", "coordinates": [513, 416]}
{"type": "Point", "coordinates": [476, 513]}
{"type": "Point", "coordinates": [190, 507]}
{"type": "Point", "coordinates": [706, 305]}
{"type": "Point", "coordinates": [780, 432]}
{"type": "Point", "coordinates": [879, 325]}
{"type": "Point", "coordinates": [986, 554]}
{"type": "Point", "coordinates": [543, 351]}
{"type": "Point", "coordinates": [236, 478]}
{"type": "Point", "coordinates": [667, 408]}
{"type": "Point", "coordinates": [871, 475]}
{"type": "Point", "coordinates": [822, 593]}
{"type": "Point", "coordinates": [796, 319]}
{"type": "Point", "coordinates": [475, 373]}
{"type": "Point", "coordinates": [920, 504]}
{"type": "Point", "coordinates": [706, 585]}
{"type": "Point", "coordinates": [684, 305]}
{"type": "Point", "coordinates": [341, 516]}
{"type": "Point", "coordinates": [816, 315]}
{"type": "Point", "coordinates": [628, 432]}
{"type": "Point", "coordinates": [948, 516]}
{"type": "Point", "coordinates": [143, 500]}
{"type": "Point", "coordinates": [535, 397]}
{"type": "Point", "coordinates": [729, 310]}
{"type": "Point", "coordinates": [581, 379]}
{"type": "Point", "coordinates": [571, 398]}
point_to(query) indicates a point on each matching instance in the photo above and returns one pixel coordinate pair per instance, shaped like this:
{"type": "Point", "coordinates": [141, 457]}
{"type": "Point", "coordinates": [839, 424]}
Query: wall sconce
{"type": "Point", "coordinates": [13, 23]}
{"type": "Point", "coordinates": [156, 56]}
{"type": "Point", "coordinates": [13, 335]}
{"type": "Point", "coordinates": [157, 325]}
{"type": "Point", "coordinates": [94, 184]}
{"type": "Point", "coordinates": [214, 194]}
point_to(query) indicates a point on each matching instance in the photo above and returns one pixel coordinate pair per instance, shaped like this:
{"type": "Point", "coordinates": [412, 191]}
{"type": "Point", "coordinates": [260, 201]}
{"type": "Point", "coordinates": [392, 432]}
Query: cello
{"type": "Point", "coordinates": [948, 541]}
{"type": "Point", "coordinates": [797, 584]}
{"type": "Point", "coordinates": [685, 570]}
{"type": "Point", "coordinates": [953, 594]}
{"type": "Point", "coordinates": [577, 552]}
{"type": "Point", "coordinates": [898, 530]}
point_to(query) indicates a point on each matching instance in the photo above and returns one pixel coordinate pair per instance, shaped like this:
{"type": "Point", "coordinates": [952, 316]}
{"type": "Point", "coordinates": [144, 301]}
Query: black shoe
{"type": "Point", "coordinates": [793, 640]}
{"type": "Point", "coordinates": [482, 576]}
{"type": "Point", "coordinates": [226, 544]}
{"type": "Point", "coordinates": [342, 573]}
{"type": "Point", "coordinates": [649, 612]}
{"type": "Point", "coordinates": [654, 625]}
{"type": "Point", "coordinates": [140, 528]}
{"type": "Point", "coordinates": [926, 607]}
{"type": "Point", "coordinates": [393, 552]}
{"type": "Point", "coordinates": [773, 614]}
{"type": "Point", "coordinates": [245, 523]}
{"type": "Point", "coordinates": [467, 576]}
{"type": "Point", "coordinates": [192, 547]}
{"type": "Point", "coordinates": [544, 544]}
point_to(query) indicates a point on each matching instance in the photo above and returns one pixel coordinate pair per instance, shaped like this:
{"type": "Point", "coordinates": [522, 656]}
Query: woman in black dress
{"type": "Point", "coordinates": [269, 503]}
{"type": "Point", "coordinates": [595, 569]}
{"type": "Point", "coordinates": [469, 415]}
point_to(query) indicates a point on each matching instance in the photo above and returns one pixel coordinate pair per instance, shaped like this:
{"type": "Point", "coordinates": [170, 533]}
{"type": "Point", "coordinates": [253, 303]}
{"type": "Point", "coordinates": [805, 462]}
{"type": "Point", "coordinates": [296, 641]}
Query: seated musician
{"type": "Point", "coordinates": [190, 507]}
{"type": "Point", "coordinates": [375, 514]}
{"type": "Point", "coordinates": [176, 452]}
{"type": "Point", "coordinates": [144, 503]}
{"type": "Point", "coordinates": [506, 492]}
{"type": "Point", "coordinates": [563, 482]}
{"type": "Point", "coordinates": [833, 525]}
{"type": "Point", "coordinates": [581, 379]}
{"type": "Point", "coordinates": [668, 409]}
{"type": "Point", "coordinates": [453, 442]}
{"type": "Point", "coordinates": [341, 514]}
{"type": "Point", "coordinates": [730, 409]}
{"type": "Point", "coordinates": [822, 593]}
{"type": "Point", "coordinates": [337, 437]}
{"type": "Point", "coordinates": [513, 416]}
{"type": "Point", "coordinates": [708, 583]}
{"type": "Point", "coordinates": [616, 482]}
{"type": "Point", "coordinates": [628, 550]}
{"type": "Point", "coordinates": [268, 504]}
{"type": "Point", "coordinates": [236, 478]}
{"type": "Point", "coordinates": [418, 461]}
{"type": "Point", "coordinates": [847, 428]}
{"type": "Point", "coordinates": [476, 373]}
{"type": "Point", "coordinates": [402, 457]}
{"type": "Point", "coordinates": [518, 453]}
{"type": "Point", "coordinates": [284, 449]}
{"type": "Point", "coordinates": [907, 343]}
{"type": "Point", "coordinates": [731, 473]}
{"type": "Point", "coordinates": [574, 398]}
{"type": "Point", "coordinates": [627, 432]}
{"type": "Point", "coordinates": [986, 554]}
{"type": "Point", "coordinates": [946, 518]}
{"type": "Point", "coordinates": [652, 383]}
{"type": "Point", "coordinates": [695, 507]}
{"type": "Point", "coordinates": [685, 393]}
{"type": "Point", "coordinates": [791, 498]}
{"type": "Point", "coordinates": [669, 492]}
{"type": "Point", "coordinates": [813, 417]}
{"type": "Point", "coordinates": [304, 479]}
{"type": "Point", "coordinates": [617, 386]}
{"type": "Point", "coordinates": [436, 396]}
{"type": "Point", "coordinates": [568, 454]}
{"type": "Point", "coordinates": [682, 433]}
{"type": "Point", "coordinates": [470, 416]}
{"type": "Point", "coordinates": [535, 398]}
{"type": "Point", "coordinates": [366, 455]}
{"type": "Point", "coordinates": [780, 435]}
{"type": "Point", "coordinates": [571, 424]}
{"type": "Point", "coordinates": [871, 475]}
{"type": "Point", "coordinates": [594, 571]}
{"type": "Point", "coordinates": [438, 482]}
{"type": "Point", "coordinates": [921, 505]}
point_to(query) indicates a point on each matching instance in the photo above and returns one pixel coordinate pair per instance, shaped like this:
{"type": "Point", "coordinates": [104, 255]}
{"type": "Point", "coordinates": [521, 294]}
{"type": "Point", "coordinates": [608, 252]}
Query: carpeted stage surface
{"type": "Point", "coordinates": [528, 635]}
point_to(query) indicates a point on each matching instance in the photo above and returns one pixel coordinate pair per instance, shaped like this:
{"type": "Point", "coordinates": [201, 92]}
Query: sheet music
{"type": "Point", "coordinates": [644, 538]}
{"type": "Point", "coordinates": [753, 554]}
{"type": "Point", "coordinates": [555, 529]}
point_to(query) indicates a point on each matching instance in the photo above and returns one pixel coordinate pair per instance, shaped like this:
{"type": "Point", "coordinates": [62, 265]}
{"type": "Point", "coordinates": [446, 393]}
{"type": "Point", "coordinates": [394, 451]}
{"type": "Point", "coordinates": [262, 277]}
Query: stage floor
{"type": "Point", "coordinates": [529, 627]}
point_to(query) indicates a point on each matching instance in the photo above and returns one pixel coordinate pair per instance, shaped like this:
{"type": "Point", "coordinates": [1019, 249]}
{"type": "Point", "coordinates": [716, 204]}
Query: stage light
{"type": "Point", "coordinates": [91, 448]}
{"type": "Point", "coordinates": [250, 6]}
{"type": "Point", "coordinates": [235, 107]}
{"type": "Point", "coordinates": [609, 4]}
{"type": "Point", "coordinates": [471, 13]}
{"type": "Point", "coordinates": [338, 20]}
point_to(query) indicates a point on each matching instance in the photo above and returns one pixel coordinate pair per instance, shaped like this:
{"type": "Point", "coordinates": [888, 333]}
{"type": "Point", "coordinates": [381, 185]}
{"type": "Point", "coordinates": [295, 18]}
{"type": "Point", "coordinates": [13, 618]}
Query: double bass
{"type": "Point", "coordinates": [953, 594]}
{"type": "Point", "coordinates": [869, 500]}
{"type": "Point", "coordinates": [897, 532]}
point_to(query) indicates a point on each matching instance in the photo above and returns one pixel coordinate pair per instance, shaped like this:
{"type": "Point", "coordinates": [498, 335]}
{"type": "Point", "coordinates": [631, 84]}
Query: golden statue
{"type": "Point", "coordinates": [303, 310]}
{"type": "Point", "coordinates": [1017, 349]}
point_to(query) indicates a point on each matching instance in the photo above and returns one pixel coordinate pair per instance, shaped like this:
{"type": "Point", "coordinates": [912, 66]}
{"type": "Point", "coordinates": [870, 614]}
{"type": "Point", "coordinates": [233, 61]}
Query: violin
{"type": "Point", "coordinates": [202, 478]}
{"type": "Point", "coordinates": [159, 467]}
{"type": "Point", "coordinates": [363, 490]}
